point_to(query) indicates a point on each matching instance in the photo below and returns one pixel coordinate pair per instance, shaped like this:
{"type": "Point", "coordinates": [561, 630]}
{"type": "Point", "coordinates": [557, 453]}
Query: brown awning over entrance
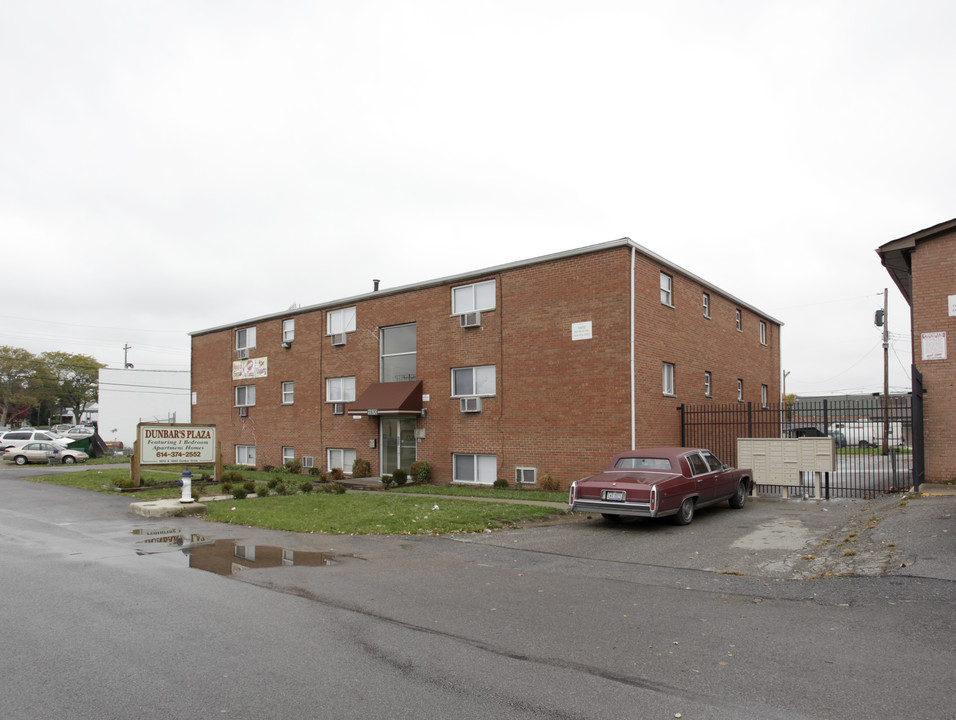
{"type": "Point", "coordinates": [389, 398]}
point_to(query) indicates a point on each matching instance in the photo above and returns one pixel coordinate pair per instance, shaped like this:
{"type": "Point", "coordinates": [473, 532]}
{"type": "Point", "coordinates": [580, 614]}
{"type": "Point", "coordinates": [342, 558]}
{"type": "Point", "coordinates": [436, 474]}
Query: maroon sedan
{"type": "Point", "coordinates": [656, 482]}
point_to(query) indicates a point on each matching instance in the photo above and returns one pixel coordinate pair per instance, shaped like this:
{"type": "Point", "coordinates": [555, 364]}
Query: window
{"type": "Point", "coordinates": [740, 390]}
{"type": "Point", "coordinates": [667, 287]}
{"type": "Point", "coordinates": [342, 459]}
{"type": "Point", "coordinates": [763, 333]}
{"type": "Point", "coordinates": [668, 378]}
{"type": "Point", "coordinates": [714, 463]}
{"type": "Point", "coordinates": [706, 301]}
{"type": "Point", "coordinates": [469, 298]}
{"type": "Point", "coordinates": [707, 380]}
{"type": "Point", "coordinates": [763, 395]}
{"type": "Point", "coordinates": [340, 321]}
{"type": "Point", "coordinates": [340, 389]}
{"type": "Point", "coordinates": [288, 393]}
{"type": "Point", "coordinates": [288, 330]}
{"type": "Point", "coordinates": [481, 469]}
{"type": "Point", "coordinates": [245, 338]}
{"type": "Point", "coordinates": [697, 464]}
{"type": "Point", "coordinates": [740, 327]}
{"type": "Point", "coordinates": [398, 353]}
{"type": "Point", "coordinates": [246, 455]}
{"type": "Point", "coordinates": [245, 395]}
{"type": "Point", "coordinates": [526, 476]}
{"type": "Point", "coordinates": [308, 461]}
{"type": "Point", "coordinates": [473, 381]}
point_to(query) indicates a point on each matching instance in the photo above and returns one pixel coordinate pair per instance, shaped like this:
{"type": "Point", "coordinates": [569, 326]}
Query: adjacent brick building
{"type": "Point", "coordinates": [544, 366]}
{"type": "Point", "coordinates": [923, 266]}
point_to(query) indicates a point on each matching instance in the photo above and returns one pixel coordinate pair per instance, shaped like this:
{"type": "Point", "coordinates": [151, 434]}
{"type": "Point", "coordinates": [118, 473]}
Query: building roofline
{"type": "Point", "coordinates": [895, 255]}
{"type": "Point", "coordinates": [473, 274]}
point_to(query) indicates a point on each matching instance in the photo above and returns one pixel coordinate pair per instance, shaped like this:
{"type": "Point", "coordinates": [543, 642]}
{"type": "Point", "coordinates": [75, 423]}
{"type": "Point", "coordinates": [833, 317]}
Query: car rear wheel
{"type": "Point", "coordinates": [739, 497]}
{"type": "Point", "coordinates": [21, 460]}
{"type": "Point", "coordinates": [685, 513]}
{"type": "Point", "coordinates": [610, 517]}
{"type": "Point", "coordinates": [69, 460]}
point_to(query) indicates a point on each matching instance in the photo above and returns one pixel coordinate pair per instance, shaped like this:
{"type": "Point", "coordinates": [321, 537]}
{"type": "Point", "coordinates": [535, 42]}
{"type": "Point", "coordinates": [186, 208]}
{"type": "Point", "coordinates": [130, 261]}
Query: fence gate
{"type": "Point", "coordinates": [874, 439]}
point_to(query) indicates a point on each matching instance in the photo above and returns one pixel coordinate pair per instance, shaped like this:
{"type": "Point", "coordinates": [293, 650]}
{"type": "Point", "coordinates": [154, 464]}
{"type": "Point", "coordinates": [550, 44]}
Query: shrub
{"type": "Point", "coordinates": [305, 486]}
{"type": "Point", "coordinates": [227, 488]}
{"type": "Point", "coordinates": [336, 474]}
{"type": "Point", "coordinates": [123, 483]}
{"type": "Point", "coordinates": [361, 468]}
{"type": "Point", "coordinates": [232, 477]}
{"type": "Point", "coordinates": [239, 492]}
{"type": "Point", "coordinates": [336, 488]}
{"type": "Point", "coordinates": [293, 467]}
{"type": "Point", "coordinates": [387, 481]}
{"type": "Point", "coordinates": [548, 484]}
{"type": "Point", "coordinates": [273, 481]}
{"type": "Point", "coordinates": [399, 477]}
{"type": "Point", "coordinates": [420, 471]}
{"type": "Point", "coordinates": [316, 472]}
{"type": "Point", "coordinates": [249, 486]}
{"type": "Point", "coordinates": [195, 495]}
{"type": "Point", "coordinates": [501, 483]}
{"type": "Point", "coordinates": [262, 490]}
{"type": "Point", "coordinates": [268, 468]}
{"type": "Point", "coordinates": [282, 489]}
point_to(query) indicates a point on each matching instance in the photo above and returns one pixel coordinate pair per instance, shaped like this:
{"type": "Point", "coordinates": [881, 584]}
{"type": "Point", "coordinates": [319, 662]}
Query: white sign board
{"type": "Point", "coordinates": [177, 444]}
{"type": "Point", "coordinates": [581, 331]}
{"type": "Point", "coordinates": [934, 345]}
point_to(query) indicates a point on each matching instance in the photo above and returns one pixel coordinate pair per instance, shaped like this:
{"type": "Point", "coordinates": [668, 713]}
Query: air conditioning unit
{"type": "Point", "coordinates": [338, 339]}
{"type": "Point", "coordinates": [470, 319]}
{"type": "Point", "coordinates": [242, 353]}
{"type": "Point", "coordinates": [470, 404]}
{"type": "Point", "coordinates": [286, 344]}
{"type": "Point", "coordinates": [243, 411]}
{"type": "Point", "coordinates": [338, 408]}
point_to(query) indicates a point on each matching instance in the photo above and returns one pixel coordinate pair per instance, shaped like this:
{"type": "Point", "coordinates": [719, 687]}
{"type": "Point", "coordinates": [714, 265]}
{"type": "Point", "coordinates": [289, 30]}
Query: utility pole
{"type": "Point", "coordinates": [126, 363]}
{"type": "Point", "coordinates": [886, 373]}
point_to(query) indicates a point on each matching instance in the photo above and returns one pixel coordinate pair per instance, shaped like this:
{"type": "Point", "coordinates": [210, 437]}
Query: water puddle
{"type": "Point", "coordinates": [227, 557]}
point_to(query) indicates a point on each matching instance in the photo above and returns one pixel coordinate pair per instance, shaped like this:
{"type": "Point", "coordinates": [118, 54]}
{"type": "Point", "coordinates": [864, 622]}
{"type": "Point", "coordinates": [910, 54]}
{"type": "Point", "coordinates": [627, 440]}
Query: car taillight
{"type": "Point", "coordinates": [572, 492]}
{"type": "Point", "coordinates": [653, 499]}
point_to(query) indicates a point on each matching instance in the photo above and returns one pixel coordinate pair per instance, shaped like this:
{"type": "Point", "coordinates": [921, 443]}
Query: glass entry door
{"type": "Point", "coordinates": [398, 443]}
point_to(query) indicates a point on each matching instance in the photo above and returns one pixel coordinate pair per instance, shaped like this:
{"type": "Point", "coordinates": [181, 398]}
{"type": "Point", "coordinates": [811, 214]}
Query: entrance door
{"type": "Point", "coordinates": [398, 443]}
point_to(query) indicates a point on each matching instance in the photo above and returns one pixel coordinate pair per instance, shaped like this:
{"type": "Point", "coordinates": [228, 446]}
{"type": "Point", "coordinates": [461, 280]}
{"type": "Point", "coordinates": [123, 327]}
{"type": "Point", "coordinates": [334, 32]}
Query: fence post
{"type": "Point", "coordinates": [683, 436]}
{"type": "Point", "coordinates": [750, 419]}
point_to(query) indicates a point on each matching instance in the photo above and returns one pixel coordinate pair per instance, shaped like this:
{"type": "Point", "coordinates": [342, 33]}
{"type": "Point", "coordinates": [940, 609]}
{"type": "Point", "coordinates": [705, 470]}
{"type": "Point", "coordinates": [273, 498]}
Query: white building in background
{"type": "Point", "coordinates": [128, 397]}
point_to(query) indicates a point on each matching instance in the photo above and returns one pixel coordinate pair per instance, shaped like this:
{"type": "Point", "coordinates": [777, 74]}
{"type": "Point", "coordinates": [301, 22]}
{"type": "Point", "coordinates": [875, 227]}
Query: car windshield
{"type": "Point", "coordinates": [642, 463]}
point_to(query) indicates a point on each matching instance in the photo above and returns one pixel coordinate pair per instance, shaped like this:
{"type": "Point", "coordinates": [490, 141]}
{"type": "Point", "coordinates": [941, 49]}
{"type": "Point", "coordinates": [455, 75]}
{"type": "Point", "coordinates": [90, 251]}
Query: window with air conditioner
{"type": "Point", "coordinates": [245, 395]}
{"type": "Point", "coordinates": [339, 322]}
{"type": "Point", "coordinates": [479, 380]}
{"type": "Point", "coordinates": [245, 341]}
{"type": "Point", "coordinates": [340, 389]}
{"type": "Point", "coordinates": [481, 469]}
{"type": "Point", "coordinates": [470, 319]}
{"type": "Point", "coordinates": [526, 476]}
{"type": "Point", "coordinates": [288, 330]}
{"type": "Point", "coordinates": [471, 298]}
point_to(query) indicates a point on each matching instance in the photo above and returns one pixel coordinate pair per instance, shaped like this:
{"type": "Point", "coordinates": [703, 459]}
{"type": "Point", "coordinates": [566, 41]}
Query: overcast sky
{"type": "Point", "coordinates": [167, 167]}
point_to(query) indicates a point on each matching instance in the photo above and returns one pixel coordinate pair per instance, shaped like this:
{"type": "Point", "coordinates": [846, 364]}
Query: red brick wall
{"type": "Point", "coordinates": [934, 280]}
{"type": "Point", "coordinates": [561, 405]}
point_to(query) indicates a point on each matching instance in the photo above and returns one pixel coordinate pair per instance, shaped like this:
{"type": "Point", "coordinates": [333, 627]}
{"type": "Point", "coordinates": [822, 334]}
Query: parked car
{"type": "Point", "coordinates": [659, 482]}
{"type": "Point", "coordinates": [60, 430]}
{"type": "Point", "coordinates": [78, 432]}
{"type": "Point", "coordinates": [43, 452]}
{"type": "Point", "coordinates": [18, 438]}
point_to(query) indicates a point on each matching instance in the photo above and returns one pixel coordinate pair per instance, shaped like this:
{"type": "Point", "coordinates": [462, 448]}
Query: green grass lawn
{"type": "Point", "coordinates": [396, 512]}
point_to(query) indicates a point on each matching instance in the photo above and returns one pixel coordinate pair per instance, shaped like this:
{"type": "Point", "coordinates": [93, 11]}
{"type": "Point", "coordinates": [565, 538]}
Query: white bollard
{"type": "Point", "coordinates": [186, 480]}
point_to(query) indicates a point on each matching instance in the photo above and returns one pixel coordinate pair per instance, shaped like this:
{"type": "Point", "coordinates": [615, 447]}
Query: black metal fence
{"type": "Point", "coordinates": [874, 439]}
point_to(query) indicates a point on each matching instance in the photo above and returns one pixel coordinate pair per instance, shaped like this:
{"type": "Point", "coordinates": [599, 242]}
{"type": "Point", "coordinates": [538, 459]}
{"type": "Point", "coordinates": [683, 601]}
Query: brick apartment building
{"type": "Point", "coordinates": [923, 266]}
{"type": "Point", "coordinates": [543, 366]}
